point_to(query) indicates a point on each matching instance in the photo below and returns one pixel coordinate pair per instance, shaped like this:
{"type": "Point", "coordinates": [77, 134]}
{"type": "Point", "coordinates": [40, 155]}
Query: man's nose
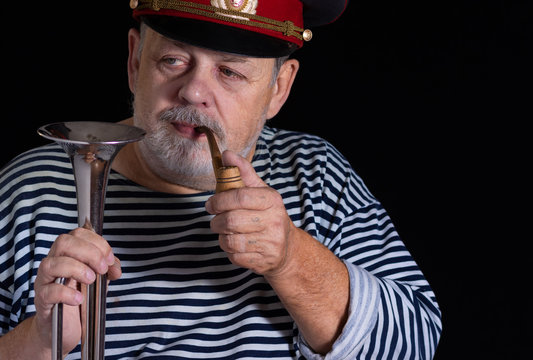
{"type": "Point", "coordinates": [197, 88]}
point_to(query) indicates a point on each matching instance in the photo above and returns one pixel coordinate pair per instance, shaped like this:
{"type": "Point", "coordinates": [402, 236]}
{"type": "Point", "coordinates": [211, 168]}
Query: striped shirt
{"type": "Point", "coordinates": [180, 297]}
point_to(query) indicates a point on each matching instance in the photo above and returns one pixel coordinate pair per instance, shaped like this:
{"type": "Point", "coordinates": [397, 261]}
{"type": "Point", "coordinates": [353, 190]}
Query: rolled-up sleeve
{"type": "Point", "coordinates": [363, 311]}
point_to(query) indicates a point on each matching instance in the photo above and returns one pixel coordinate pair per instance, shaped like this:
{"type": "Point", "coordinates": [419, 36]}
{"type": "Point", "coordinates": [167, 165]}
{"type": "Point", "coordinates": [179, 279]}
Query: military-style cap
{"type": "Point", "coordinates": [259, 28]}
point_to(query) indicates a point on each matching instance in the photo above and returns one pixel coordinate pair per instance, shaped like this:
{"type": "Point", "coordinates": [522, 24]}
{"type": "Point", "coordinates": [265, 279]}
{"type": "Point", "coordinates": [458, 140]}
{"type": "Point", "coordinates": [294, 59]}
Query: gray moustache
{"type": "Point", "coordinates": [193, 117]}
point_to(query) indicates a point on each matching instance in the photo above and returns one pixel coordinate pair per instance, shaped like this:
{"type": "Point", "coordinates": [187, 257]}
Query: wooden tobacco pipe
{"type": "Point", "coordinates": [228, 177]}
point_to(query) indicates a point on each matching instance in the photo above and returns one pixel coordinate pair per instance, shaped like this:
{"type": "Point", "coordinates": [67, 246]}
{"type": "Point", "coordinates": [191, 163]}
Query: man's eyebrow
{"type": "Point", "coordinates": [233, 58]}
{"type": "Point", "coordinates": [176, 43]}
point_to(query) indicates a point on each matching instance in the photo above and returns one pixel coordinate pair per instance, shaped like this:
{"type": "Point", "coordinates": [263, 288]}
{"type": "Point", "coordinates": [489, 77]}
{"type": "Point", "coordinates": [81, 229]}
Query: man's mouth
{"type": "Point", "coordinates": [187, 130]}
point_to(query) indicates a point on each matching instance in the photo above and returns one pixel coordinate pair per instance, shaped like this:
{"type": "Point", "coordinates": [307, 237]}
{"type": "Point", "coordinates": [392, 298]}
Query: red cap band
{"type": "Point", "coordinates": [282, 19]}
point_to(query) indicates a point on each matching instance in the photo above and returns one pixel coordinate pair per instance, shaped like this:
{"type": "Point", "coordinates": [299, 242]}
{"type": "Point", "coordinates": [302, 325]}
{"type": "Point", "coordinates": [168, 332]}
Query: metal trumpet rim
{"type": "Point", "coordinates": [104, 133]}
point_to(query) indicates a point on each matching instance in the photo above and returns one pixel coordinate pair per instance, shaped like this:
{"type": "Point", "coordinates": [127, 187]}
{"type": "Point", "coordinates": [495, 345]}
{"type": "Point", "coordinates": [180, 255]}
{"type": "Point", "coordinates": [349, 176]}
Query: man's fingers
{"type": "Point", "coordinates": [55, 293]}
{"type": "Point", "coordinates": [241, 243]}
{"type": "Point", "coordinates": [114, 271]}
{"type": "Point", "coordinates": [248, 174]}
{"type": "Point", "coordinates": [238, 221]}
{"type": "Point", "coordinates": [244, 198]}
{"type": "Point", "coordinates": [52, 268]}
{"type": "Point", "coordinates": [86, 247]}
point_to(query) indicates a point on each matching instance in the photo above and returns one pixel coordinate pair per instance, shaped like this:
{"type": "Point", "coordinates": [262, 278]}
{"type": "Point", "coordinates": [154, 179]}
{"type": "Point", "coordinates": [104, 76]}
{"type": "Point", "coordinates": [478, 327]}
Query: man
{"type": "Point", "coordinates": [302, 262]}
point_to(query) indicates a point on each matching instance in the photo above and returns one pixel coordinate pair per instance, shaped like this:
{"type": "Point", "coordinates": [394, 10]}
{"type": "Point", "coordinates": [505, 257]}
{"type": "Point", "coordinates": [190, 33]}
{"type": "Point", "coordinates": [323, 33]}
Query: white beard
{"type": "Point", "coordinates": [180, 160]}
{"type": "Point", "coordinates": [177, 159]}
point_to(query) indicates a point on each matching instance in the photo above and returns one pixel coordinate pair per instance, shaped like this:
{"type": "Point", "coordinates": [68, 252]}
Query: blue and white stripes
{"type": "Point", "coordinates": [181, 298]}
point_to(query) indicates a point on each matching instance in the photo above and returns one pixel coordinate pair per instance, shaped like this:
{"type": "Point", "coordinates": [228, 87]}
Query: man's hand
{"type": "Point", "coordinates": [252, 222]}
{"type": "Point", "coordinates": [77, 256]}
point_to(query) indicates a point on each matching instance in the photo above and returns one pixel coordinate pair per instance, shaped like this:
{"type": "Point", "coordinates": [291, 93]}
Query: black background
{"type": "Point", "coordinates": [429, 100]}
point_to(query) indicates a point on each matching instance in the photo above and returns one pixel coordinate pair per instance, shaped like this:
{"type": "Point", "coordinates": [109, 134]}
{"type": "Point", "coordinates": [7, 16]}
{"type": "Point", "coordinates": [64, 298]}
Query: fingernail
{"type": "Point", "coordinates": [208, 206]}
{"type": "Point", "coordinates": [103, 266]}
{"type": "Point", "coordinates": [110, 259]}
{"type": "Point", "coordinates": [90, 275]}
{"type": "Point", "coordinates": [78, 297]}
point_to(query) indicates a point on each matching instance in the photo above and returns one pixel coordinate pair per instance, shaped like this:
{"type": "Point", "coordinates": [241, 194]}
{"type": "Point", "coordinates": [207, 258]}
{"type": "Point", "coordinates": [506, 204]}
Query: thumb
{"type": "Point", "coordinates": [248, 174]}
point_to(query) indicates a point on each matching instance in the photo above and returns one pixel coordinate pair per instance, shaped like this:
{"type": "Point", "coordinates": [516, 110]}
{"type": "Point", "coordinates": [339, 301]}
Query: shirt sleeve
{"type": "Point", "coordinates": [5, 308]}
{"type": "Point", "coordinates": [363, 310]}
{"type": "Point", "coordinates": [393, 310]}
{"type": "Point", "coordinates": [7, 260]}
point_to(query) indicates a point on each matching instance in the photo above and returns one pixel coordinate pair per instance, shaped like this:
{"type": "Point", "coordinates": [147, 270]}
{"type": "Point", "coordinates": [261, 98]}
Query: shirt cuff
{"type": "Point", "coordinates": [364, 303]}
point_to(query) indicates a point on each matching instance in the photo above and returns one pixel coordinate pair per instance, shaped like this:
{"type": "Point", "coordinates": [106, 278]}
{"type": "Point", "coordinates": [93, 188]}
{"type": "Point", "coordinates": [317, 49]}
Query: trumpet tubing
{"type": "Point", "coordinates": [91, 147]}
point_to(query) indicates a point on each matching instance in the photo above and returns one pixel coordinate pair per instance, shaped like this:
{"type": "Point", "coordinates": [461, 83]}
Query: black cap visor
{"type": "Point", "coordinates": [219, 37]}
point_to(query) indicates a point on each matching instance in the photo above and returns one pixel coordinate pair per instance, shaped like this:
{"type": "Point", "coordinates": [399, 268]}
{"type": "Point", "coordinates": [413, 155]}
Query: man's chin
{"type": "Point", "coordinates": [198, 185]}
{"type": "Point", "coordinates": [193, 181]}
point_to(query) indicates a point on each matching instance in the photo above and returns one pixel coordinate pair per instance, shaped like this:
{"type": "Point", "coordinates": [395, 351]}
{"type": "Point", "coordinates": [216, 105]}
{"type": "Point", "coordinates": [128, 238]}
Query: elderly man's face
{"type": "Point", "coordinates": [178, 87]}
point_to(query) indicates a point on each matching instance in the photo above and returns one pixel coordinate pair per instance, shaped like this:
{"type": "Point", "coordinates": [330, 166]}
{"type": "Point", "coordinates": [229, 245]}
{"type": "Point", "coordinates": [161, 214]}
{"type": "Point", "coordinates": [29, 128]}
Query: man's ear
{"type": "Point", "coordinates": [134, 60]}
{"type": "Point", "coordinates": [282, 86]}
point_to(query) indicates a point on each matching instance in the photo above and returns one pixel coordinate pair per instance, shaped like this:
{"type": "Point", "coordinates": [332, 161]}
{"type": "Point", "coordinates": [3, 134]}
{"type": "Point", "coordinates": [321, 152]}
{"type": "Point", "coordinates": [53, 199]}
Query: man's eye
{"type": "Point", "coordinates": [230, 73]}
{"type": "Point", "coordinates": [173, 61]}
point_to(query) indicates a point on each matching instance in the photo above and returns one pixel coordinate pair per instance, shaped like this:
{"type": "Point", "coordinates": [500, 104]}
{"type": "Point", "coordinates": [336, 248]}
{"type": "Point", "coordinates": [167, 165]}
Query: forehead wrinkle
{"type": "Point", "coordinates": [234, 58]}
